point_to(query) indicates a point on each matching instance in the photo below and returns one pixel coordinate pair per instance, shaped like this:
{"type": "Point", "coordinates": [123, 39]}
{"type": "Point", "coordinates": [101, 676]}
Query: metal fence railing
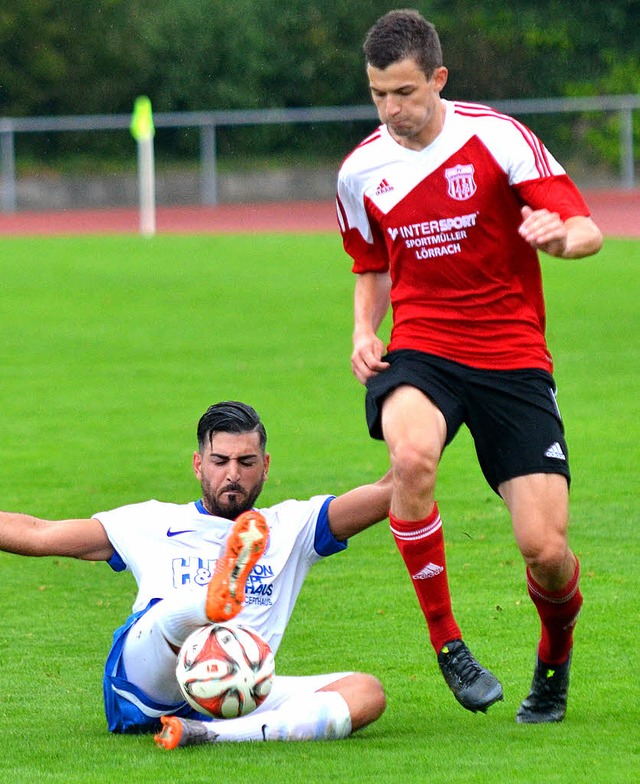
{"type": "Point", "coordinates": [208, 122]}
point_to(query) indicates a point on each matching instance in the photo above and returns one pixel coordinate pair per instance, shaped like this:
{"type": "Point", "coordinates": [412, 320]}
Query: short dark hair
{"type": "Point", "coordinates": [230, 416]}
{"type": "Point", "coordinates": [403, 34]}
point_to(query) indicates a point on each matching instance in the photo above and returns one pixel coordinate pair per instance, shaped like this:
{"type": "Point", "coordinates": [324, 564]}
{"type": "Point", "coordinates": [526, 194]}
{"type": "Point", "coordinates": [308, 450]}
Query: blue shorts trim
{"type": "Point", "coordinates": [128, 709]}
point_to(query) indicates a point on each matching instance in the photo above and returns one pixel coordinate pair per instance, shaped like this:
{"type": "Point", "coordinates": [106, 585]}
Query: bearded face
{"type": "Point", "coordinates": [232, 469]}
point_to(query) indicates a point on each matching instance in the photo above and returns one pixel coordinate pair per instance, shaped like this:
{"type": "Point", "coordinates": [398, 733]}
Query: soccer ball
{"type": "Point", "coordinates": [224, 670]}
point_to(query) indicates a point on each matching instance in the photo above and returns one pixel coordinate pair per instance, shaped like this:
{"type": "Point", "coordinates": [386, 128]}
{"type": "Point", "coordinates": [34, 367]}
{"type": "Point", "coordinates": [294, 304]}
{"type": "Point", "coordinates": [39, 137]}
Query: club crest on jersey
{"type": "Point", "coordinates": [461, 185]}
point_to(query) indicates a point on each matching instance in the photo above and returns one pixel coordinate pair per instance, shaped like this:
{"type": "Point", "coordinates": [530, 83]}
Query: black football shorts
{"type": "Point", "coordinates": [512, 415]}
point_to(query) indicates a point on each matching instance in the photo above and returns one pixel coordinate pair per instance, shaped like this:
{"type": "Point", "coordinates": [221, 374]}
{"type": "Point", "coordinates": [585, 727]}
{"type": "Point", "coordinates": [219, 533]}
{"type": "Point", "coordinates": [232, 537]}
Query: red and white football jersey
{"type": "Point", "coordinates": [443, 221]}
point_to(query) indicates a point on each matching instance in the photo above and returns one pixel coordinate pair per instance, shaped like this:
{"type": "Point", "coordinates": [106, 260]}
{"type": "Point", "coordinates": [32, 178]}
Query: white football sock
{"type": "Point", "coordinates": [321, 715]}
{"type": "Point", "coordinates": [179, 615]}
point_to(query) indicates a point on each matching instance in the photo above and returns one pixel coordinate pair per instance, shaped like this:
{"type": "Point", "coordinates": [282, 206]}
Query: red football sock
{"type": "Point", "coordinates": [421, 545]}
{"type": "Point", "coordinates": [558, 611]}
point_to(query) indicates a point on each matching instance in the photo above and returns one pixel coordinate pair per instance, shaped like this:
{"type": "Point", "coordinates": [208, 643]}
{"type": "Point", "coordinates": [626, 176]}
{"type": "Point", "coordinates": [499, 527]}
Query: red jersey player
{"type": "Point", "coordinates": [443, 210]}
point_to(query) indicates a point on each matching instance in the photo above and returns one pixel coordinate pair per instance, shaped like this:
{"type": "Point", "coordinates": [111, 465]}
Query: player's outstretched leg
{"type": "Point", "coordinates": [547, 700]}
{"type": "Point", "coordinates": [475, 688]}
{"type": "Point", "coordinates": [244, 545]}
{"type": "Point", "coordinates": [320, 715]}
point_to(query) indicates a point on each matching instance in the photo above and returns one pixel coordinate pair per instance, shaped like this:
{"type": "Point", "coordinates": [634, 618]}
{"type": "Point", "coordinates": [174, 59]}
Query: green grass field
{"type": "Point", "coordinates": [112, 348]}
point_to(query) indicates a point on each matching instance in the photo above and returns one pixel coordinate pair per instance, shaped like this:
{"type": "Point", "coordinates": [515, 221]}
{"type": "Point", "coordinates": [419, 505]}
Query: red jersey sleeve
{"type": "Point", "coordinates": [557, 194]}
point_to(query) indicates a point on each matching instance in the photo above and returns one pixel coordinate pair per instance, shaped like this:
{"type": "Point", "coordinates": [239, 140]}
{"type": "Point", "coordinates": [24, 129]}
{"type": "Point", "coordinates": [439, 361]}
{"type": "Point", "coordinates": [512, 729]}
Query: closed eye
{"type": "Point", "coordinates": [247, 462]}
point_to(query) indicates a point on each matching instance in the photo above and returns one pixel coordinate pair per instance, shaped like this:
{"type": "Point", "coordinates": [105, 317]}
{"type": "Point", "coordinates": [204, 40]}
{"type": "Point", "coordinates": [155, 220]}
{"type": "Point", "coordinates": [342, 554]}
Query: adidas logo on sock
{"type": "Point", "coordinates": [555, 451]}
{"type": "Point", "coordinates": [384, 187]}
{"type": "Point", "coordinates": [430, 570]}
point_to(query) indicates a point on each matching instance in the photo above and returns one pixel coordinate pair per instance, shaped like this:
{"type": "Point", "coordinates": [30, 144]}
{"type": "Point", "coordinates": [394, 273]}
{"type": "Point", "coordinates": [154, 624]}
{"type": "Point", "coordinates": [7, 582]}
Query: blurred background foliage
{"type": "Point", "coordinates": [95, 56]}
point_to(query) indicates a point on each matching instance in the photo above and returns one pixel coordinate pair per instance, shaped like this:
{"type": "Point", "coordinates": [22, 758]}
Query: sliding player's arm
{"type": "Point", "coordinates": [27, 535]}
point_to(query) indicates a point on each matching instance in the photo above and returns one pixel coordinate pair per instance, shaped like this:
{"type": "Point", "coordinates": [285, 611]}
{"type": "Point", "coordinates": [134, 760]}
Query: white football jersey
{"type": "Point", "coordinates": [174, 547]}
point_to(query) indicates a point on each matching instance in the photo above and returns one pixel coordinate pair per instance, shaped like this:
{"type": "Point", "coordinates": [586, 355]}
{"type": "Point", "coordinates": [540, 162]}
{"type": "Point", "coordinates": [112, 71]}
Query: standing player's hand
{"type": "Point", "coordinates": [366, 359]}
{"type": "Point", "coordinates": [544, 230]}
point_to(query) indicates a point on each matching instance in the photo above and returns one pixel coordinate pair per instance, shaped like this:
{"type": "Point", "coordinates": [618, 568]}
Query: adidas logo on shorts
{"type": "Point", "coordinates": [555, 451]}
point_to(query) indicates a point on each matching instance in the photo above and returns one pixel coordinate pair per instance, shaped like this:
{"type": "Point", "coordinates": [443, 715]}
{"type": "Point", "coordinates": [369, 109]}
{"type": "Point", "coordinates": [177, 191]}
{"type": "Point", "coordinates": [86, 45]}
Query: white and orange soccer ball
{"type": "Point", "coordinates": [225, 670]}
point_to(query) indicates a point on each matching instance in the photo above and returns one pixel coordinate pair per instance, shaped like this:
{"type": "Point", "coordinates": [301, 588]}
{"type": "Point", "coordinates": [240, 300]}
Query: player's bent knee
{"type": "Point", "coordinates": [377, 700]}
{"type": "Point", "coordinates": [413, 465]}
{"type": "Point", "coordinates": [365, 697]}
{"type": "Point", "coordinates": [548, 557]}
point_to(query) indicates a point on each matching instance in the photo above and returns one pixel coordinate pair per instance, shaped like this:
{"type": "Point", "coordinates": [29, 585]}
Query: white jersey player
{"type": "Point", "coordinates": [182, 556]}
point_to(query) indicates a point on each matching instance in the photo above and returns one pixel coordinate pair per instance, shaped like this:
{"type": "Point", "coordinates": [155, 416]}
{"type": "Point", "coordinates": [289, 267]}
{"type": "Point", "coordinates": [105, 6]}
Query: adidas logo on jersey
{"type": "Point", "coordinates": [384, 187]}
{"type": "Point", "coordinates": [430, 570]}
{"type": "Point", "coordinates": [555, 451]}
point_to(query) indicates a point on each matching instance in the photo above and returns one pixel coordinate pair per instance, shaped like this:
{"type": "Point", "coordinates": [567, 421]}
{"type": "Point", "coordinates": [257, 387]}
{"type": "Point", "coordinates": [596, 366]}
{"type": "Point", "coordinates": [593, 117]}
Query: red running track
{"type": "Point", "coordinates": [617, 212]}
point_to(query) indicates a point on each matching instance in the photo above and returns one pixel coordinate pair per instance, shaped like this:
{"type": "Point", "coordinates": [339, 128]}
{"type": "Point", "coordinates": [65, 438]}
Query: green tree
{"type": "Point", "coordinates": [532, 48]}
{"type": "Point", "coordinates": [31, 62]}
{"type": "Point", "coordinates": [96, 56]}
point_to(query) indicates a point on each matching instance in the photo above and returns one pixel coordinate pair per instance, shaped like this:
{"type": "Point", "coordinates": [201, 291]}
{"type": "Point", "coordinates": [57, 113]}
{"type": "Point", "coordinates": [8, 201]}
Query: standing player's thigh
{"type": "Point", "coordinates": [411, 420]}
{"type": "Point", "coordinates": [516, 425]}
{"type": "Point", "coordinates": [539, 508]}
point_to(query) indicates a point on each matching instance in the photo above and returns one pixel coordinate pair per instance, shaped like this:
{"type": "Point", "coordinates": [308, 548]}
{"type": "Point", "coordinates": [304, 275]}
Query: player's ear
{"type": "Point", "coordinates": [197, 465]}
{"type": "Point", "coordinates": [267, 463]}
{"type": "Point", "coordinates": [440, 76]}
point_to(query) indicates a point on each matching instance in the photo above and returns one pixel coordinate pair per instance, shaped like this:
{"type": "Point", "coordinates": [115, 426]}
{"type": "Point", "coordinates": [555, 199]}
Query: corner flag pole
{"type": "Point", "coordinates": [143, 132]}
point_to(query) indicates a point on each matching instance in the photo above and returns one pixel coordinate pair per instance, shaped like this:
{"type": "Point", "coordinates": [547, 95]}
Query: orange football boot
{"type": "Point", "coordinates": [244, 545]}
{"type": "Point", "coordinates": [177, 732]}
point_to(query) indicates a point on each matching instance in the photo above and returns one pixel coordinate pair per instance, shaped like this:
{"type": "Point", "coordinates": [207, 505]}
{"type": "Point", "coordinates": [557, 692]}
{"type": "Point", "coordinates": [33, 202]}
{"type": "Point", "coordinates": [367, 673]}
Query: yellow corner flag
{"type": "Point", "coordinates": [142, 119]}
